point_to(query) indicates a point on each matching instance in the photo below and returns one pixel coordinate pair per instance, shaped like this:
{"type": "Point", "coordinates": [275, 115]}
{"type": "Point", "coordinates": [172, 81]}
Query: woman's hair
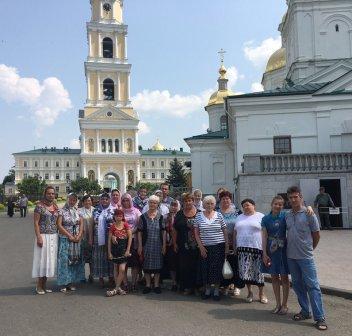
{"type": "Point", "coordinates": [154, 198]}
{"type": "Point", "coordinates": [208, 199]}
{"type": "Point", "coordinates": [186, 197]}
{"type": "Point", "coordinates": [249, 200]}
{"type": "Point", "coordinates": [225, 194]}
{"type": "Point", "coordinates": [115, 190]}
{"type": "Point", "coordinates": [49, 187]}
{"type": "Point", "coordinates": [277, 198]}
{"type": "Point", "coordinates": [197, 191]}
{"type": "Point", "coordinates": [85, 197]}
{"type": "Point", "coordinates": [118, 212]}
{"type": "Point", "coordinates": [72, 195]}
{"type": "Point", "coordinates": [105, 195]}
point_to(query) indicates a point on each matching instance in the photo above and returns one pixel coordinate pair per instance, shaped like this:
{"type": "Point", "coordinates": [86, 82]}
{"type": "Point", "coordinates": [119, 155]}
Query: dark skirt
{"type": "Point", "coordinates": [211, 266]}
{"type": "Point", "coordinates": [235, 280]}
{"type": "Point", "coordinates": [250, 266]}
{"type": "Point", "coordinates": [188, 262]}
{"type": "Point", "coordinates": [118, 251]}
{"type": "Point", "coordinates": [170, 263]}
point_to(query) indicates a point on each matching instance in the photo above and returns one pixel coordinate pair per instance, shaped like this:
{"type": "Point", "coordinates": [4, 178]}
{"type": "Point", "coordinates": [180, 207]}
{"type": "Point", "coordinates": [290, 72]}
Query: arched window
{"type": "Point", "coordinates": [337, 28]}
{"type": "Point", "coordinates": [91, 145]}
{"type": "Point", "coordinates": [110, 146]}
{"type": "Point", "coordinates": [223, 122]}
{"type": "Point", "coordinates": [117, 145]}
{"type": "Point", "coordinates": [129, 145]}
{"type": "Point", "coordinates": [108, 48]}
{"type": "Point", "coordinates": [108, 89]}
{"type": "Point", "coordinates": [103, 145]}
{"type": "Point", "coordinates": [91, 176]}
{"type": "Point", "coordinates": [130, 177]}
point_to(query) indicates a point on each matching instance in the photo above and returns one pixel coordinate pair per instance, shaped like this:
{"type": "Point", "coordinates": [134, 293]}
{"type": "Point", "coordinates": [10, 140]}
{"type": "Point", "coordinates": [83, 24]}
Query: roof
{"type": "Point", "coordinates": [51, 150]}
{"type": "Point", "coordinates": [223, 134]}
{"type": "Point", "coordinates": [285, 91]}
{"type": "Point", "coordinates": [165, 152]}
{"type": "Point", "coordinates": [277, 60]}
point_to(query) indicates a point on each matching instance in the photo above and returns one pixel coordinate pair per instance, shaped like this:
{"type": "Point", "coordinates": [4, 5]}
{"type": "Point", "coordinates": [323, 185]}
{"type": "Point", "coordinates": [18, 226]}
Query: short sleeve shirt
{"type": "Point", "coordinates": [120, 234]}
{"type": "Point", "coordinates": [299, 234]}
{"type": "Point", "coordinates": [249, 231]}
{"type": "Point", "coordinates": [210, 230]}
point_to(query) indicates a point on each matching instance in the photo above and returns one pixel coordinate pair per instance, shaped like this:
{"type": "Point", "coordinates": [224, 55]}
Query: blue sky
{"type": "Point", "coordinates": [172, 46]}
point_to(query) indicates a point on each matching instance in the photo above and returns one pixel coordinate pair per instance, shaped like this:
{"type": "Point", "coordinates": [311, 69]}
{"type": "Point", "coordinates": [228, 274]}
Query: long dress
{"type": "Point", "coordinates": [70, 266]}
{"type": "Point", "coordinates": [45, 257]}
{"type": "Point", "coordinates": [102, 267]}
{"type": "Point", "coordinates": [276, 244]}
{"type": "Point", "coordinates": [87, 216]}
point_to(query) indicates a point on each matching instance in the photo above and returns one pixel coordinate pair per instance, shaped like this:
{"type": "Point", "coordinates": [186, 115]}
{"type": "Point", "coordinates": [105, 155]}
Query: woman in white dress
{"type": "Point", "coordinates": [45, 246]}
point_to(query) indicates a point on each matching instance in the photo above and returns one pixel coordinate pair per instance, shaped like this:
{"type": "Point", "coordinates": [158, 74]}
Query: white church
{"type": "Point", "coordinates": [298, 131]}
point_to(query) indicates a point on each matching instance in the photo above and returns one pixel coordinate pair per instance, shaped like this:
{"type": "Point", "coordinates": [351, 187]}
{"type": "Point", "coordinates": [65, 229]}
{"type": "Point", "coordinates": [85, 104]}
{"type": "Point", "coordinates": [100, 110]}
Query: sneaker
{"type": "Point", "coordinates": [157, 290]}
{"type": "Point", "coordinates": [147, 290]}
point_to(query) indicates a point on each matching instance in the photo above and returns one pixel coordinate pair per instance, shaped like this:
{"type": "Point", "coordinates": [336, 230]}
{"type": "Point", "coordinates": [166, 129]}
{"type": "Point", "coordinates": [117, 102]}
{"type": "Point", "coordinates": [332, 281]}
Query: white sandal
{"type": "Point", "coordinates": [39, 291]}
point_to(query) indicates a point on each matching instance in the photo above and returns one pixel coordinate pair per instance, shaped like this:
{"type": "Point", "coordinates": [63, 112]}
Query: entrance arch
{"type": "Point", "coordinates": [111, 181]}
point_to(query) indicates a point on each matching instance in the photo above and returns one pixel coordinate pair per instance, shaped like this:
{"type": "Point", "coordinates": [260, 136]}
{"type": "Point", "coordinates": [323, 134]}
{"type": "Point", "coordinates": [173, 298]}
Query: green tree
{"type": "Point", "coordinates": [33, 187]}
{"type": "Point", "coordinates": [10, 177]}
{"type": "Point", "coordinates": [84, 186]}
{"type": "Point", "coordinates": [151, 187]}
{"type": "Point", "coordinates": [177, 176]}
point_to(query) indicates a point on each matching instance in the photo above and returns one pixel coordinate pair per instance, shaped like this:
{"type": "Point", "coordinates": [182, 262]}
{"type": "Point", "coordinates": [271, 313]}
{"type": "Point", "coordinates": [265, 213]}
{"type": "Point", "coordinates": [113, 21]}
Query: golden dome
{"type": "Point", "coordinates": [277, 60]}
{"type": "Point", "coordinates": [158, 146]}
{"type": "Point", "coordinates": [218, 96]}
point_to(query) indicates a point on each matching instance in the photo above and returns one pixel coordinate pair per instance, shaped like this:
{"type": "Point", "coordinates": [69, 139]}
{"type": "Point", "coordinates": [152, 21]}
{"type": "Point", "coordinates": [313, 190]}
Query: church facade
{"type": "Point", "coordinates": [299, 129]}
{"type": "Point", "coordinates": [110, 152]}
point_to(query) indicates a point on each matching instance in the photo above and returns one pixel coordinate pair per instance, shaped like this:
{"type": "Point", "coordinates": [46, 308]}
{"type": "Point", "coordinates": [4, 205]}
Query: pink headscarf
{"type": "Point", "coordinates": [118, 204]}
{"type": "Point", "coordinates": [132, 214]}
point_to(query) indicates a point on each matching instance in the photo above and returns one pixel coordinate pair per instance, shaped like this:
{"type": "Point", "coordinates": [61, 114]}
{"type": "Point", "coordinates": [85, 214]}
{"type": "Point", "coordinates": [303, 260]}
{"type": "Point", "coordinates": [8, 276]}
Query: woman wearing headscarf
{"type": "Point", "coordinates": [45, 246]}
{"type": "Point", "coordinates": [132, 215]}
{"type": "Point", "coordinates": [103, 216]}
{"type": "Point", "coordinates": [115, 202]}
{"type": "Point", "coordinates": [86, 212]}
{"type": "Point", "coordinates": [198, 203]}
{"type": "Point", "coordinates": [70, 266]}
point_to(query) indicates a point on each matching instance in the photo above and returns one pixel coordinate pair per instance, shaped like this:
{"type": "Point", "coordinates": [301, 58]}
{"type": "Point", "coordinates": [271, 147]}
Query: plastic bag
{"type": "Point", "coordinates": [227, 272]}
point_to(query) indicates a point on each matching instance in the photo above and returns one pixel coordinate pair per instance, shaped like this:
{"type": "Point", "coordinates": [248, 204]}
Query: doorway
{"type": "Point", "coordinates": [333, 188]}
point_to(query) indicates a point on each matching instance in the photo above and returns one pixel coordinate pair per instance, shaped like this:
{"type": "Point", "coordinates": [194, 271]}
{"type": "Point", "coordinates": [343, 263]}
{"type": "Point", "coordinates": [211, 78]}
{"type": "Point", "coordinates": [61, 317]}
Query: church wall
{"type": "Point", "coordinates": [121, 46]}
{"type": "Point", "coordinates": [117, 10]}
{"type": "Point", "coordinates": [93, 89]}
{"type": "Point", "coordinates": [94, 43]}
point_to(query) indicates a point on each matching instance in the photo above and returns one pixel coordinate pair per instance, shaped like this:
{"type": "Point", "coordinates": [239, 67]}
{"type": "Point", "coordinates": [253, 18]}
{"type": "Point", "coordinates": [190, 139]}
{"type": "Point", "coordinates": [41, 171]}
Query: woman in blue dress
{"type": "Point", "coordinates": [274, 253]}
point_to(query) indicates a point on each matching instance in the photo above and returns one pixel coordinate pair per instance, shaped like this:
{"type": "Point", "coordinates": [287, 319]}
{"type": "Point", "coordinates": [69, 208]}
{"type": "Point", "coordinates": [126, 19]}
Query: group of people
{"type": "Point", "coordinates": [21, 203]}
{"type": "Point", "coordinates": [188, 241]}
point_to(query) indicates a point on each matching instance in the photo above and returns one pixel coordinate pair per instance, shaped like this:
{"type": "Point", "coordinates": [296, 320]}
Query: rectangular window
{"type": "Point", "coordinates": [162, 164]}
{"type": "Point", "coordinates": [67, 176]}
{"type": "Point", "coordinates": [25, 175]}
{"type": "Point", "coordinates": [153, 175]}
{"type": "Point", "coordinates": [25, 164]}
{"type": "Point", "coordinates": [153, 163]}
{"type": "Point", "coordinates": [143, 163]}
{"type": "Point", "coordinates": [57, 189]}
{"type": "Point", "coordinates": [57, 164]}
{"type": "Point", "coordinates": [57, 176]}
{"type": "Point", "coordinates": [144, 175]}
{"type": "Point", "coordinates": [46, 164]}
{"type": "Point", "coordinates": [282, 145]}
{"type": "Point", "coordinates": [162, 175]}
{"type": "Point", "coordinates": [46, 176]}
{"type": "Point", "coordinates": [36, 164]}
{"type": "Point", "coordinates": [67, 164]}
{"type": "Point", "coordinates": [67, 189]}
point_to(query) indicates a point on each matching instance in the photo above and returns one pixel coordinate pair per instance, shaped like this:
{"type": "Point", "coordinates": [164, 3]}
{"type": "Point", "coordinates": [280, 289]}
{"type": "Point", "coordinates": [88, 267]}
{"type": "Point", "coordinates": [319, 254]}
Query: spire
{"type": "Point", "coordinates": [222, 80]}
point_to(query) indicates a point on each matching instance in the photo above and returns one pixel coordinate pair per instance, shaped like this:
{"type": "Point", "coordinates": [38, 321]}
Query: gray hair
{"type": "Point", "coordinates": [197, 191]}
{"type": "Point", "coordinates": [209, 199]}
{"type": "Point", "coordinates": [154, 198]}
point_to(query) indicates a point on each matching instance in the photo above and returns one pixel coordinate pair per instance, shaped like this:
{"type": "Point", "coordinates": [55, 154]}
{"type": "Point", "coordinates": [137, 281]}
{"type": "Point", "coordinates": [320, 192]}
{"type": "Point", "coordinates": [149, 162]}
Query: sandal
{"type": "Point", "coordinates": [63, 290]}
{"type": "Point", "coordinates": [283, 311]}
{"type": "Point", "coordinates": [121, 291]}
{"type": "Point", "coordinates": [48, 290]}
{"type": "Point", "coordinates": [40, 291]}
{"type": "Point", "coordinates": [276, 310]}
{"type": "Point", "coordinates": [301, 317]}
{"type": "Point", "coordinates": [263, 300]}
{"type": "Point", "coordinates": [321, 325]}
{"type": "Point", "coordinates": [111, 293]}
{"type": "Point", "coordinates": [249, 298]}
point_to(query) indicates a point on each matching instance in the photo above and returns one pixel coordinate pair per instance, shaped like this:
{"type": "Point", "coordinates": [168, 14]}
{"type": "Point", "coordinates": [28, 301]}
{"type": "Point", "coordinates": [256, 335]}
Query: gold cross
{"type": "Point", "coordinates": [222, 53]}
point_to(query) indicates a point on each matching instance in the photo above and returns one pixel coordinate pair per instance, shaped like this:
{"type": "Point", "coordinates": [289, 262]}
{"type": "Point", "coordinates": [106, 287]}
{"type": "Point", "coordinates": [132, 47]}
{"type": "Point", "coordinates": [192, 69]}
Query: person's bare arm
{"type": "Point", "coordinates": [316, 238]}
{"type": "Point", "coordinates": [140, 247]}
{"type": "Point", "coordinates": [109, 246]}
{"type": "Point", "coordinates": [90, 231]}
{"type": "Point", "coordinates": [226, 237]}
{"type": "Point", "coordinates": [37, 230]}
{"type": "Point", "coordinates": [62, 230]}
{"type": "Point", "coordinates": [264, 245]}
{"type": "Point", "coordinates": [129, 242]}
{"type": "Point", "coordinates": [203, 250]}
{"type": "Point", "coordinates": [81, 230]}
{"type": "Point", "coordinates": [164, 242]}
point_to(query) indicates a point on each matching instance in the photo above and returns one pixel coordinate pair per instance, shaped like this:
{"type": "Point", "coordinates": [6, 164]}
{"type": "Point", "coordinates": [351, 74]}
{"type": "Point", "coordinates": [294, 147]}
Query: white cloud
{"type": "Point", "coordinates": [165, 103]}
{"type": "Point", "coordinates": [46, 100]}
{"type": "Point", "coordinates": [74, 143]}
{"type": "Point", "coordinates": [260, 54]}
{"type": "Point", "coordinates": [143, 128]}
{"type": "Point", "coordinates": [257, 87]}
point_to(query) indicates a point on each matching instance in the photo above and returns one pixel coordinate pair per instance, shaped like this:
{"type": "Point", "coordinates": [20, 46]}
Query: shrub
{"type": "Point", "coordinates": [30, 203]}
{"type": "Point", "coordinates": [2, 207]}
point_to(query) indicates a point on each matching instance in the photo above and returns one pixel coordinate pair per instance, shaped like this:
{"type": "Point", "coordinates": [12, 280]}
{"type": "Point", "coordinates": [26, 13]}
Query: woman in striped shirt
{"type": "Point", "coordinates": [212, 239]}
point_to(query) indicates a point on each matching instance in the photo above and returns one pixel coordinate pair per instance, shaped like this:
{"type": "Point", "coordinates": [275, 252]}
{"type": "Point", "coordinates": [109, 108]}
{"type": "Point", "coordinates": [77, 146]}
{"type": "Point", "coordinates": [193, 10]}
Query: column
{"type": "Point", "coordinates": [90, 43]}
{"type": "Point", "coordinates": [98, 146]}
{"type": "Point", "coordinates": [83, 142]}
{"type": "Point", "coordinates": [122, 141]}
{"type": "Point", "coordinates": [99, 86]}
{"type": "Point", "coordinates": [125, 46]}
{"type": "Point", "coordinates": [124, 178]}
{"type": "Point", "coordinates": [100, 45]}
{"type": "Point", "coordinates": [84, 168]}
{"type": "Point", "coordinates": [116, 46]}
{"type": "Point", "coordinates": [98, 173]}
{"type": "Point", "coordinates": [88, 87]}
{"type": "Point", "coordinates": [128, 87]}
{"type": "Point", "coordinates": [136, 142]}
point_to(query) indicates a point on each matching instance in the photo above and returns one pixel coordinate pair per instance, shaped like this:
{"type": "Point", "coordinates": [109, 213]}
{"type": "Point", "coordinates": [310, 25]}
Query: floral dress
{"type": "Point", "coordinates": [70, 265]}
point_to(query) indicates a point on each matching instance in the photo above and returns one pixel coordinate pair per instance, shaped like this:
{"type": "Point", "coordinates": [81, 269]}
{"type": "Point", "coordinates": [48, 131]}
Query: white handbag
{"type": "Point", "coordinates": [227, 272]}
